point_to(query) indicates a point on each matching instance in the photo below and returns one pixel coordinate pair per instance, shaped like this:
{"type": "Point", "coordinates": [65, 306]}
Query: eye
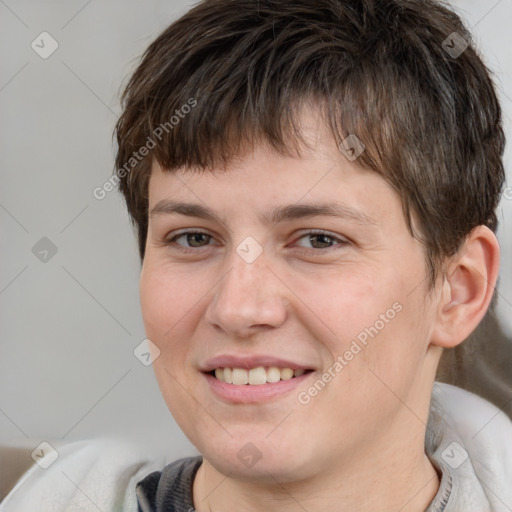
{"type": "Point", "coordinates": [322, 240]}
{"type": "Point", "coordinates": [198, 239]}
{"type": "Point", "coordinates": [192, 237]}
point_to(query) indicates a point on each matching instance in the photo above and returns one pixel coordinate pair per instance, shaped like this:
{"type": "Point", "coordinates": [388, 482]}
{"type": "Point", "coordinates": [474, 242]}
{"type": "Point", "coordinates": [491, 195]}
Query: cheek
{"type": "Point", "coordinates": [153, 305]}
{"type": "Point", "coordinates": [397, 337]}
{"type": "Point", "coordinates": [373, 316]}
{"type": "Point", "coordinates": [166, 297]}
{"type": "Point", "coordinates": [166, 309]}
{"type": "Point", "coordinates": [345, 305]}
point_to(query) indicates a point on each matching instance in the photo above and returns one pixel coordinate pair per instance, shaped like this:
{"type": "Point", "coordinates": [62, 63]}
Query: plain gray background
{"type": "Point", "coordinates": [69, 325]}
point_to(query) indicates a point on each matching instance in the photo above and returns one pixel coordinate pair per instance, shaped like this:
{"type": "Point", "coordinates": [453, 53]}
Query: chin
{"type": "Point", "coordinates": [260, 461]}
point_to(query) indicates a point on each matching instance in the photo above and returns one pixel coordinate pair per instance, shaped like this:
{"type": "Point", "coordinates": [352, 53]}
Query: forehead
{"type": "Point", "coordinates": [272, 189]}
{"type": "Point", "coordinates": [323, 178]}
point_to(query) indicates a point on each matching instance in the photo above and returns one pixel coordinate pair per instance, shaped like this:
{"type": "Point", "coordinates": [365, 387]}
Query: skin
{"type": "Point", "coordinates": [358, 444]}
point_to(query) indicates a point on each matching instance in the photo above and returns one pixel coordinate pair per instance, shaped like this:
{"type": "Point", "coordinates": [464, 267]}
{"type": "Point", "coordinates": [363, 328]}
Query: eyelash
{"type": "Point", "coordinates": [189, 250]}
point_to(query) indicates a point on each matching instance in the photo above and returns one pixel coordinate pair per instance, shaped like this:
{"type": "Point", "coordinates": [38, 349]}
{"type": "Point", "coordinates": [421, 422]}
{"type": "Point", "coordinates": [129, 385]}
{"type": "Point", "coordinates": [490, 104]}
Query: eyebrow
{"type": "Point", "coordinates": [278, 214]}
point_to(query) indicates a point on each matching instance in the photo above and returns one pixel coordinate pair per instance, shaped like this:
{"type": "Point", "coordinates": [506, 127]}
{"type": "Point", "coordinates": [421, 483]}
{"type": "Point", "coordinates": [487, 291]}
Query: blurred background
{"type": "Point", "coordinates": [69, 307]}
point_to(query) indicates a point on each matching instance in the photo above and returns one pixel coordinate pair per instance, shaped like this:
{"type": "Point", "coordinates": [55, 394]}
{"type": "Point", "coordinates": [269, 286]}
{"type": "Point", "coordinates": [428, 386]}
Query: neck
{"type": "Point", "coordinates": [384, 484]}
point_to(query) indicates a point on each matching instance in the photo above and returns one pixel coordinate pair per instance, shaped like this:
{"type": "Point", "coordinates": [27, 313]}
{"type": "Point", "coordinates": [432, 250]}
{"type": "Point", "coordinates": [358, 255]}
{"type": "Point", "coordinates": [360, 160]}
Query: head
{"type": "Point", "coordinates": [244, 107]}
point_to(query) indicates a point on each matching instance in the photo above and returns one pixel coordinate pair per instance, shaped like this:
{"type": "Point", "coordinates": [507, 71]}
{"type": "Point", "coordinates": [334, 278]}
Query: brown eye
{"type": "Point", "coordinates": [322, 240]}
{"type": "Point", "coordinates": [195, 239]}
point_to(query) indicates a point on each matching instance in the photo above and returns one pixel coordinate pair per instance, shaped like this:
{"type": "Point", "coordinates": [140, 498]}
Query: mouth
{"type": "Point", "coordinates": [256, 376]}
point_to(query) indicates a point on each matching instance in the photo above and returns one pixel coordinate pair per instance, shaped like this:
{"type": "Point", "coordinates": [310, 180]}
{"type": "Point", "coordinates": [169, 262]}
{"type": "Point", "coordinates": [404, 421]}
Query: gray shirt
{"type": "Point", "coordinates": [468, 440]}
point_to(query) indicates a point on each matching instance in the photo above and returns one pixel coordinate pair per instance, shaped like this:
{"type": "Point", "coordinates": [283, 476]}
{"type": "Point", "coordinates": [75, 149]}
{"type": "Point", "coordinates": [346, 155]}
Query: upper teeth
{"type": "Point", "coordinates": [255, 376]}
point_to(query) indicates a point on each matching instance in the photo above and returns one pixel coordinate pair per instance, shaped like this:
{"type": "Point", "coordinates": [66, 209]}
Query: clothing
{"type": "Point", "coordinates": [88, 476]}
{"type": "Point", "coordinates": [115, 476]}
{"type": "Point", "coordinates": [171, 488]}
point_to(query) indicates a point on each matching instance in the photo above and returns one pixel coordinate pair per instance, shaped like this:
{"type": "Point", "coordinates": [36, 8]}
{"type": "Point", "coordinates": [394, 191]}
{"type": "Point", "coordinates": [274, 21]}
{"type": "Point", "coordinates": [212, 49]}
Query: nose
{"type": "Point", "coordinates": [249, 298]}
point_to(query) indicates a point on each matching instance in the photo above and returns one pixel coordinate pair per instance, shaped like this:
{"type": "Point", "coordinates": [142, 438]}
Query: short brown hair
{"type": "Point", "coordinates": [382, 71]}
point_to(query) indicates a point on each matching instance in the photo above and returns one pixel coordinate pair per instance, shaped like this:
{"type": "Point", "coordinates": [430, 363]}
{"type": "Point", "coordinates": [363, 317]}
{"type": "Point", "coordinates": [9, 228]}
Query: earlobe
{"type": "Point", "coordinates": [468, 288]}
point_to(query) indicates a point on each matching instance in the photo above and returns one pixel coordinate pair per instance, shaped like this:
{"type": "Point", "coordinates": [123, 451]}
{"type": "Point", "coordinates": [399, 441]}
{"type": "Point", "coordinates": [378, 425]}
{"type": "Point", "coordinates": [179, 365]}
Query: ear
{"type": "Point", "coordinates": [467, 288]}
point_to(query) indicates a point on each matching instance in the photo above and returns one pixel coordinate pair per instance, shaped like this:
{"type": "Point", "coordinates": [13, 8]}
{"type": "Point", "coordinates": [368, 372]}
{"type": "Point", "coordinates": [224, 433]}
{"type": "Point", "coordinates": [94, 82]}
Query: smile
{"type": "Point", "coordinates": [255, 376]}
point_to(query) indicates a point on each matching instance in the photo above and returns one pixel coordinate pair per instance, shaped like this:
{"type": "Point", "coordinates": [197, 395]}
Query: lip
{"type": "Point", "coordinates": [249, 362]}
{"type": "Point", "coordinates": [244, 394]}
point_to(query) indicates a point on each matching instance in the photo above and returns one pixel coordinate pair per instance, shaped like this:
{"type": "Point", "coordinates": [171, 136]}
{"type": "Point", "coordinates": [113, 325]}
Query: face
{"type": "Point", "coordinates": [326, 313]}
